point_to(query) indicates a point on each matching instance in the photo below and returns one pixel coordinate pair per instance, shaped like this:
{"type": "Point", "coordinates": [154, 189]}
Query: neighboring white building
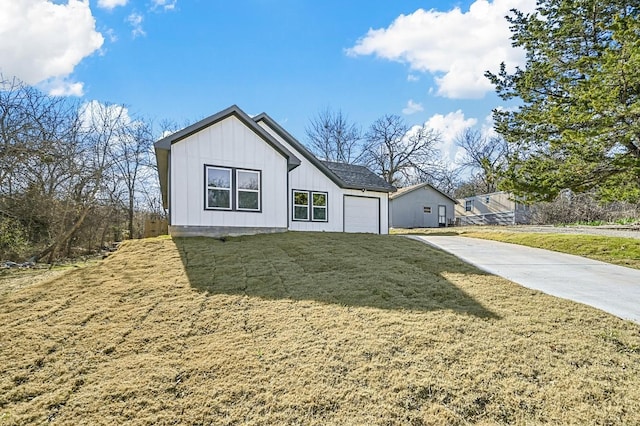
{"type": "Point", "coordinates": [231, 174]}
{"type": "Point", "coordinates": [421, 206]}
{"type": "Point", "coordinates": [496, 208]}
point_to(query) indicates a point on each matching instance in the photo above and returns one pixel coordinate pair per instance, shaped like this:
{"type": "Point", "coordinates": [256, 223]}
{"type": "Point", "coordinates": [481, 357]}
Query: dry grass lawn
{"type": "Point", "coordinates": [304, 328]}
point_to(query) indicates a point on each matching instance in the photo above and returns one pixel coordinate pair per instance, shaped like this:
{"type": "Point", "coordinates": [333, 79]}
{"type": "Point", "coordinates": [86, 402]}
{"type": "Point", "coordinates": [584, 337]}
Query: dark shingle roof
{"type": "Point", "coordinates": [358, 177]}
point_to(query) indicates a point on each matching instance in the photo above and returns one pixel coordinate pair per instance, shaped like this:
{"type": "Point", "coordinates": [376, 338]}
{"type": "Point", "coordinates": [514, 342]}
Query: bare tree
{"type": "Point", "coordinates": [485, 156]}
{"type": "Point", "coordinates": [473, 185]}
{"type": "Point", "coordinates": [132, 157]}
{"type": "Point", "coordinates": [71, 174]}
{"type": "Point", "coordinates": [331, 137]}
{"type": "Point", "coordinates": [443, 177]}
{"type": "Point", "coordinates": [99, 127]}
{"type": "Point", "coordinates": [401, 155]}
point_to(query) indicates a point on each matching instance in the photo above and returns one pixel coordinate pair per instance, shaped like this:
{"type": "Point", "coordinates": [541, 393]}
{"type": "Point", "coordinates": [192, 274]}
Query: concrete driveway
{"type": "Point", "coordinates": [614, 289]}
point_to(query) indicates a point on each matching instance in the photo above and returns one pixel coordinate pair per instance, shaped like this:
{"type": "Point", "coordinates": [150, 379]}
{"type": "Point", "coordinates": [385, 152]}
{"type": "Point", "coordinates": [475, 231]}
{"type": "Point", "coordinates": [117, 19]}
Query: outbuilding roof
{"type": "Point", "coordinates": [408, 189]}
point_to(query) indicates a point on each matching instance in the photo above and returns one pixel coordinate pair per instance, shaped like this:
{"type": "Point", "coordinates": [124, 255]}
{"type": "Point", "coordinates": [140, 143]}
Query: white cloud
{"type": "Point", "coordinates": [487, 128]}
{"type": "Point", "coordinates": [41, 40]}
{"type": "Point", "coordinates": [135, 20]}
{"type": "Point", "coordinates": [413, 78]}
{"type": "Point", "coordinates": [449, 126]}
{"type": "Point", "coordinates": [412, 107]}
{"type": "Point", "coordinates": [113, 37]}
{"type": "Point", "coordinates": [456, 46]}
{"type": "Point", "coordinates": [62, 87]}
{"type": "Point", "coordinates": [165, 4]}
{"type": "Point", "coordinates": [111, 4]}
{"type": "Point", "coordinates": [95, 114]}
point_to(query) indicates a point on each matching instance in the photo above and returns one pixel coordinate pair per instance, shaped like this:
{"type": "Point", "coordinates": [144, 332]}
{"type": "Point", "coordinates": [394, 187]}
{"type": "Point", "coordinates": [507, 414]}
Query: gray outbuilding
{"type": "Point", "coordinates": [421, 206]}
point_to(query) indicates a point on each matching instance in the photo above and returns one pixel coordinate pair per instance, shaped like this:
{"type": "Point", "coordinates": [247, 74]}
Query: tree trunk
{"type": "Point", "coordinates": [51, 250]}
{"type": "Point", "coordinates": [130, 215]}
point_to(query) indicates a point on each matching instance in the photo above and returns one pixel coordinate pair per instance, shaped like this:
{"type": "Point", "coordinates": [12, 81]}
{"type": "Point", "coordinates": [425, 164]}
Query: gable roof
{"type": "Point", "coordinates": [163, 146]}
{"type": "Point", "coordinates": [347, 176]}
{"type": "Point", "coordinates": [407, 189]}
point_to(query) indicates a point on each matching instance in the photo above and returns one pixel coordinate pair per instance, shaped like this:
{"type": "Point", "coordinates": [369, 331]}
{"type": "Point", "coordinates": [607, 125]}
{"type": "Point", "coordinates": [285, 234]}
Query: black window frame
{"type": "Point", "coordinates": [309, 206]}
{"type": "Point", "coordinates": [468, 205]}
{"type": "Point", "coordinates": [233, 190]}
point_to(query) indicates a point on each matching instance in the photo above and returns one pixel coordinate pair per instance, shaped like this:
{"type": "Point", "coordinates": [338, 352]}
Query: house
{"type": "Point", "coordinates": [232, 174]}
{"type": "Point", "coordinates": [496, 208]}
{"type": "Point", "coordinates": [421, 206]}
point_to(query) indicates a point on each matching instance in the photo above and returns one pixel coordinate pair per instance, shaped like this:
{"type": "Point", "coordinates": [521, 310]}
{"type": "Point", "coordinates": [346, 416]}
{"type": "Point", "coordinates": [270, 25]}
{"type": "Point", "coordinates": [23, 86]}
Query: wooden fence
{"type": "Point", "coordinates": [155, 227]}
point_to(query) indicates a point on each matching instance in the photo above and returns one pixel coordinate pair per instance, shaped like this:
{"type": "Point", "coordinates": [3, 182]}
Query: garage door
{"type": "Point", "coordinates": [361, 214]}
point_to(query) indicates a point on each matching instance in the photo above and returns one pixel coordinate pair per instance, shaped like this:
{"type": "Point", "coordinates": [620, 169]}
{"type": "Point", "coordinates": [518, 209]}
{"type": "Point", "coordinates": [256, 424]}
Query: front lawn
{"type": "Point", "coordinates": [306, 328]}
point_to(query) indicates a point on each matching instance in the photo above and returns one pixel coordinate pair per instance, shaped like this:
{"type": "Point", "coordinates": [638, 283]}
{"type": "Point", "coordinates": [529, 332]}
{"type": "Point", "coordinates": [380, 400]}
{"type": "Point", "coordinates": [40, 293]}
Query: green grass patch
{"type": "Point", "coordinates": [616, 250]}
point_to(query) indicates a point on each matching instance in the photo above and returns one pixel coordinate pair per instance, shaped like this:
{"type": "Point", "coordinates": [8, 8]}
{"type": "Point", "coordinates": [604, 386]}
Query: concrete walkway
{"type": "Point", "coordinates": [614, 289]}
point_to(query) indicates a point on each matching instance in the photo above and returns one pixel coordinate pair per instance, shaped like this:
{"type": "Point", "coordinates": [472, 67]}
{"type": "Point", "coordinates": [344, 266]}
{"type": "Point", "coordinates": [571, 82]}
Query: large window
{"type": "Point", "coordinates": [248, 189]}
{"type": "Point", "coordinates": [300, 205]}
{"type": "Point", "coordinates": [310, 206]}
{"type": "Point", "coordinates": [218, 188]}
{"type": "Point", "coordinates": [228, 188]}
{"type": "Point", "coordinates": [468, 205]}
{"type": "Point", "coordinates": [319, 206]}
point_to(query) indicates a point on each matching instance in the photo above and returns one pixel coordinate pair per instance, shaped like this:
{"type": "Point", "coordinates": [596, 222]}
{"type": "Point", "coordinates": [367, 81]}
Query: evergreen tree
{"type": "Point", "coordinates": [578, 123]}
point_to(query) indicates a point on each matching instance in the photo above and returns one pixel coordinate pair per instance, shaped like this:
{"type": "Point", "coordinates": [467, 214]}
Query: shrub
{"type": "Point", "coordinates": [13, 238]}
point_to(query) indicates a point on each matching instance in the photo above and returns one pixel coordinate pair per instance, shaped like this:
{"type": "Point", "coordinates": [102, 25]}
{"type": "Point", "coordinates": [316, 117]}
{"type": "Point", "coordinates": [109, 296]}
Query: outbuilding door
{"type": "Point", "coordinates": [361, 214]}
{"type": "Point", "coordinates": [442, 215]}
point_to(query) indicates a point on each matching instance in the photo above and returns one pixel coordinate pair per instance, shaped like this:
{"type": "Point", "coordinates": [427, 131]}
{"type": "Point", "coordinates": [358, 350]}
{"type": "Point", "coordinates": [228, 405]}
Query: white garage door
{"type": "Point", "coordinates": [361, 214]}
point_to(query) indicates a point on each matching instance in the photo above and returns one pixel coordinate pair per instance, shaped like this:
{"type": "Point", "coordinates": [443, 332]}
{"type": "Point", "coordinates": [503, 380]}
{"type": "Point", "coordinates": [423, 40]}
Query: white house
{"type": "Point", "coordinates": [232, 174]}
{"type": "Point", "coordinates": [496, 208]}
{"type": "Point", "coordinates": [421, 206]}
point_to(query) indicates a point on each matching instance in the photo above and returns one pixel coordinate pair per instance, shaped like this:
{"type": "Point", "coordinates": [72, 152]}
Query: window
{"type": "Point", "coordinates": [468, 205]}
{"type": "Point", "coordinates": [310, 206]}
{"type": "Point", "coordinates": [426, 209]}
{"type": "Point", "coordinates": [228, 188]}
{"type": "Point", "coordinates": [218, 188]}
{"type": "Point", "coordinates": [319, 206]}
{"type": "Point", "coordinates": [300, 205]}
{"type": "Point", "coordinates": [248, 189]}
{"type": "Point", "coordinates": [487, 199]}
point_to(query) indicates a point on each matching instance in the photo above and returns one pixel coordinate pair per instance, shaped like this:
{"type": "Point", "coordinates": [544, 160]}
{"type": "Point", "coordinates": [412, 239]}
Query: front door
{"type": "Point", "coordinates": [442, 215]}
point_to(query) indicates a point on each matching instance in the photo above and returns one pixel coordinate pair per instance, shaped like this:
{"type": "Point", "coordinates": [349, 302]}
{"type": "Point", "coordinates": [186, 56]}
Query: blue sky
{"type": "Point", "coordinates": [183, 60]}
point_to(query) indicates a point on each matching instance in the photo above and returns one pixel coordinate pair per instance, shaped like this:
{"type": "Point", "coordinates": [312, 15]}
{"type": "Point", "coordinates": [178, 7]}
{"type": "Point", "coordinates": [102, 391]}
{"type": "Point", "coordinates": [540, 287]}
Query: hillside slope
{"type": "Point", "coordinates": [305, 328]}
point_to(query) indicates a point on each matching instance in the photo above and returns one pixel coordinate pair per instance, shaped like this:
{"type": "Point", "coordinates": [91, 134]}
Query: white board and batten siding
{"type": "Point", "coordinates": [307, 177]}
{"type": "Point", "coordinates": [246, 150]}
